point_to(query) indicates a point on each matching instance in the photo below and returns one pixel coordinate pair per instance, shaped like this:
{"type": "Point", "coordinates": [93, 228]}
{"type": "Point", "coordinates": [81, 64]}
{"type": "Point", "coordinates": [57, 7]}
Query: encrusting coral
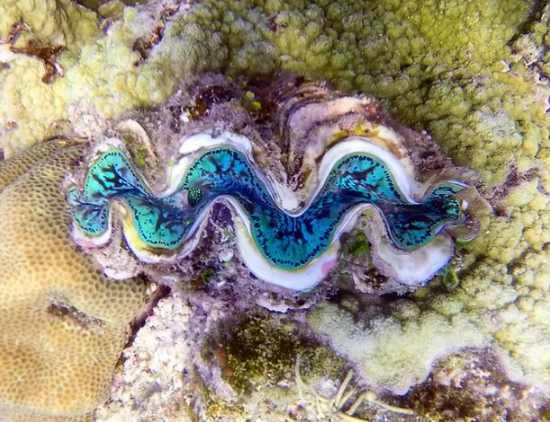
{"type": "Point", "coordinates": [445, 65]}
{"type": "Point", "coordinates": [460, 87]}
{"type": "Point", "coordinates": [63, 322]}
{"type": "Point", "coordinates": [101, 71]}
{"type": "Point", "coordinates": [412, 345]}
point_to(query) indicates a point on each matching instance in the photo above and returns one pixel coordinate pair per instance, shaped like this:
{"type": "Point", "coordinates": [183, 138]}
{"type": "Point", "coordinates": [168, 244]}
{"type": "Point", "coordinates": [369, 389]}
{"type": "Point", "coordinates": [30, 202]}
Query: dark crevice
{"type": "Point", "coordinates": [534, 16]}
{"type": "Point", "coordinates": [495, 195]}
{"type": "Point", "coordinates": [60, 307]}
{"type": "Point", "coordinates": [146, 311]}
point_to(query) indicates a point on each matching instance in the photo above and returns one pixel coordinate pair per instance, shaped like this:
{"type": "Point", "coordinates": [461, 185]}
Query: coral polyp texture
{"type": "Point", "coordinates": [63, 322]}
{"type": "Point", "coordinates": [353, 175]}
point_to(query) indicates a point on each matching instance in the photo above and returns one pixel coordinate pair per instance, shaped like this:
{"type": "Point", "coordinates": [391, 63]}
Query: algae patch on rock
{"type": "Point", "coordinates": [262, 351]}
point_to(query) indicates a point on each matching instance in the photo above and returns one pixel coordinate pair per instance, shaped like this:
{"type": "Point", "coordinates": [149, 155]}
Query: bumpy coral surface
{"type": "Point", "coordinates": [445, 64]}
{"type": "Point", "coordinates": [461, 87]}
{"type": "Point", "coordinates": [408, 356]}
{"type": "Point", "coordinates": [63, 322]}
{"type": "Point", "coordinates": [98, 69]}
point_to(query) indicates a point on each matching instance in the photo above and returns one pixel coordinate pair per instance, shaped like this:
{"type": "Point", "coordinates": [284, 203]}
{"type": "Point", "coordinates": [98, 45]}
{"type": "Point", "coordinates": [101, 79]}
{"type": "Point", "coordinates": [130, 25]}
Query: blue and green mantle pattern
{"type": "Point", "coordinates": [287, 241]}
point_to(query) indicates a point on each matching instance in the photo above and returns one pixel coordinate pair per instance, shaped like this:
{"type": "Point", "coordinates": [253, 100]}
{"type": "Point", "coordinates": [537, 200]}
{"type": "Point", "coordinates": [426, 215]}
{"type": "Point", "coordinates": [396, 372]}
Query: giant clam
{"type": "Point", "coordinates": [341, 158]}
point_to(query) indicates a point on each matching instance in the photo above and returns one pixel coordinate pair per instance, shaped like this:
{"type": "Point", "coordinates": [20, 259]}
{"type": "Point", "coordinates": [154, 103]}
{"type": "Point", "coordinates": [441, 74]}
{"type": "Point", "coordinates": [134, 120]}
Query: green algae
{"type": "Point", "coordinates": [359, 245]}
{"type": "Point", "coordinates": [450, 278]}
{"type": "Point", "coordinates": [141, 156]}
{"type": "Point", "coordinates": [263, 351]}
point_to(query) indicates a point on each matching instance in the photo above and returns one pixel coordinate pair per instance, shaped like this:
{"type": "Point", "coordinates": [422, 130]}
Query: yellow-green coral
{"type": "Point", "coordinates": [63, 322]}
{"type": "Point", "coordinates": [395, 352]}
{"type": "Point", "coordinates": [102, 71]}
{"type": "Point", "coordinates": [29, 105]}
{"type": "Point", "coordinates": [444, 64]}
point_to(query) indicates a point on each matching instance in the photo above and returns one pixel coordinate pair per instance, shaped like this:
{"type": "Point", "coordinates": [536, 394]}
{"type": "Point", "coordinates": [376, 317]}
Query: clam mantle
{"type": "Point", "coordinates": [293, 248]}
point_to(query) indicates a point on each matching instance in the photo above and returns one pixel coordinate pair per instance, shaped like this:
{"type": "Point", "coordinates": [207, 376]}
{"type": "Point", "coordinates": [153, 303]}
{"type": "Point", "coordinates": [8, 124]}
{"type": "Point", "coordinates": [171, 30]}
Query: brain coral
{"type": "Point", "coordinates": [63, 323]}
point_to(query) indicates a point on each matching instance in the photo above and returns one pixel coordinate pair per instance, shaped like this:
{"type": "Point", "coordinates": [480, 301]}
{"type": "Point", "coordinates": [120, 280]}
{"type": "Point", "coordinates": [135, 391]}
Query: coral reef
{"type": "Point", "coordinates": [24, 30]}
{"type": "Point", "coordinates": [459, 87]}
{"type": "Point", "coordinates": [63, 322]}
{"type": "Point", "coordinates": [155, 379]}
{"type": "Point", "coordinates": [447, 67]}
{"type": "Point", "coordinates": [212, 288]}
{"type": "Point", "coordinates": [186, 364]}
{"type": "Point", "coordinates": [387, 340]}
{"type": "Point", "coordinates": [102, 64]}
{"type": "Point", "coordinates": [485, 310]}
{"type": "Point", "coordinates": [473, 74]}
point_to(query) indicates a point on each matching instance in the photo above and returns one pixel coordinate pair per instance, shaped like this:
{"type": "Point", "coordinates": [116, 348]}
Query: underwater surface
{"type": "Point", "coordinates": [274, 210]}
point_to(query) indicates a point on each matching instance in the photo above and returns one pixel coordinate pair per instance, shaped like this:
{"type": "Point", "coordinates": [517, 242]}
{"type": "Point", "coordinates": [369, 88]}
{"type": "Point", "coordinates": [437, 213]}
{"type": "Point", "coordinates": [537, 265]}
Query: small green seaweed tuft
{"type": "Point", "coordinates": [207, 274]}
{"type": "Point", "coordinates": [450, 277]}
{"type": "Point", "coordinates": [141, 156]}
{"type": "Point", "coordinates": [357, 246]}
{"type": "Point", "coordinates": [250, 102]}
{"type": "Point", "coordinates": [202, 279]}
